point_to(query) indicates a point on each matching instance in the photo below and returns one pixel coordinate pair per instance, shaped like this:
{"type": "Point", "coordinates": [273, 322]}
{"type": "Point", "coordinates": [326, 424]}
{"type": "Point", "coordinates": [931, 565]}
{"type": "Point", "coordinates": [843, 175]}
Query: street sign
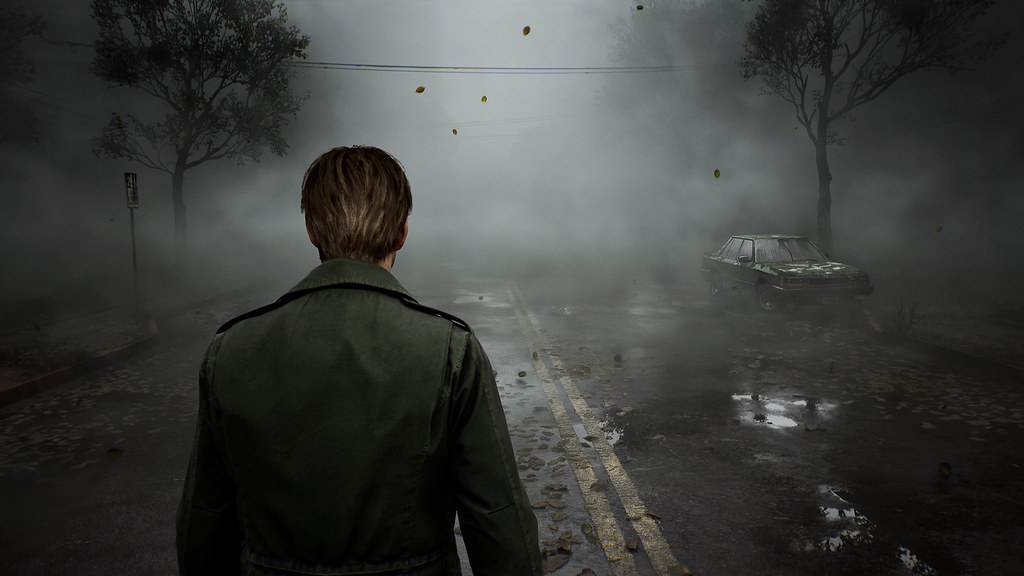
{"type": "Point", "coordinates": [131, 188]}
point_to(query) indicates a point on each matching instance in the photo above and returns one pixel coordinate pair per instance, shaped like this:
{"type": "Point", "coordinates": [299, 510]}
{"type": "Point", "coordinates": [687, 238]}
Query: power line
{"type": "Point", "coordinates": [560, 70]}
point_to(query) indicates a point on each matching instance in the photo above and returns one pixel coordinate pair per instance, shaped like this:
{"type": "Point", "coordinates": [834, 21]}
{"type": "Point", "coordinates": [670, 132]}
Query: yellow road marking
{"type": "Point", "coordinates": [655, 545]}
{"type": "Point", "coordinates": [605, 526]}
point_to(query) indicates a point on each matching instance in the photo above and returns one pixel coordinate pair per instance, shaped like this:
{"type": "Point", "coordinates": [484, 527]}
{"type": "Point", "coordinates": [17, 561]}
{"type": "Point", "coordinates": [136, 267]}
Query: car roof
{"type": "Point", "coordinates": [767, 236]}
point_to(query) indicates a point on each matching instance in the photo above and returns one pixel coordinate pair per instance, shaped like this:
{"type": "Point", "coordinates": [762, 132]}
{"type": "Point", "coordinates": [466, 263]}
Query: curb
{"type": "Point", "coordinates": [967, 359]}
{"type": "Point", "coordinates": [11, 393]}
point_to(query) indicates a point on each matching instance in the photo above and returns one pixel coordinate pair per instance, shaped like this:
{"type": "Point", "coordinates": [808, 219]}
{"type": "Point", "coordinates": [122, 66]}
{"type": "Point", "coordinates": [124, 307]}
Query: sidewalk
{"type": "Point", "coordinates": [991, 337]}
{"type": "Point", "coordinates": [45, 354]}
{"type": "Point", "coordinates": [37, 355]}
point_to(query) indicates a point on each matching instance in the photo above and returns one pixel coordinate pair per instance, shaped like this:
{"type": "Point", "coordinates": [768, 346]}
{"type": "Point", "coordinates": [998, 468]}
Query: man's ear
{"type": "Point", "coordinates": [310, 234]}
{"type": "Point", "coordinates": [402, 236]}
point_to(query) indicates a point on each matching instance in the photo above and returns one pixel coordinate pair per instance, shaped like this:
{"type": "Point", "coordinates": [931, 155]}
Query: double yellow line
{"type": "Point", "coordinates": [605, 525]}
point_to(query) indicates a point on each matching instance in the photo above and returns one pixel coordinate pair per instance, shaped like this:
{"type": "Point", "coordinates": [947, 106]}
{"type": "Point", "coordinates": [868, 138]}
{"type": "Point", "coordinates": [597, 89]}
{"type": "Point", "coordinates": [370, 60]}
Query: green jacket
{"type": "Point", "coordinates": [339, 431]}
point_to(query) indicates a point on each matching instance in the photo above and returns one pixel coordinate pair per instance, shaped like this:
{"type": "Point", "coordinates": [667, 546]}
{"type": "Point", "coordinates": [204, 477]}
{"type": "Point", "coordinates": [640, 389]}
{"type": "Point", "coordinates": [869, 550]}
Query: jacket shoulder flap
{"type": "Point", "coordinates": [407, 300]}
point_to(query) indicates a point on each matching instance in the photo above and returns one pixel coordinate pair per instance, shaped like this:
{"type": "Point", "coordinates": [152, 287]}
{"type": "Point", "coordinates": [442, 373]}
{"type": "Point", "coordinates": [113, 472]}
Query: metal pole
{"type": "Point", "coordinates": [135, 266]}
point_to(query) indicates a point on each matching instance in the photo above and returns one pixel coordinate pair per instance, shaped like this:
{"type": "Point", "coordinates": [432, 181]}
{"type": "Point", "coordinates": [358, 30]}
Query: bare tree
{"type": "Point", "coordinates": [827, 57]}
{"type": "Point", "coordinates": [220, 67]}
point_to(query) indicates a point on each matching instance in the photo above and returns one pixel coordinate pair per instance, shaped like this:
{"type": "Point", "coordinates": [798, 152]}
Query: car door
{"type": "Point", "coordinates": [743, 270]}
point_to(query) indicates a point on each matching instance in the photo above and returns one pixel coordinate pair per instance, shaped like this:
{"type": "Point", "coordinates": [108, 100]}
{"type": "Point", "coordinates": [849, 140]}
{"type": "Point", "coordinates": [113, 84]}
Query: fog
{"type": "Point", "coordinates": [590, 177]}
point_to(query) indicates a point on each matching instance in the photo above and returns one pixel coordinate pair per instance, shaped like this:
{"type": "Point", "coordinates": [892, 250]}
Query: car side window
{"type": "Point", "coordinates": [746, 249]}
{"type": "Point", "coordinates": [731, 249]}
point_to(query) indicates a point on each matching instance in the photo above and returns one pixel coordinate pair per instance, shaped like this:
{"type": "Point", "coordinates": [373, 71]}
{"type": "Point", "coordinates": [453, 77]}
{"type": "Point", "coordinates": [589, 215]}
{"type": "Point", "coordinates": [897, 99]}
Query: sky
{"type": "Point", "coordinates": [610, 171]}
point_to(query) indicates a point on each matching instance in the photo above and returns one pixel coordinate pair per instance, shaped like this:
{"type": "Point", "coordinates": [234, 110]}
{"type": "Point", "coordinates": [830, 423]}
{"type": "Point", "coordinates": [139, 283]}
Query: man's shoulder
{"type": "Point", "coordinates": [407, 301]}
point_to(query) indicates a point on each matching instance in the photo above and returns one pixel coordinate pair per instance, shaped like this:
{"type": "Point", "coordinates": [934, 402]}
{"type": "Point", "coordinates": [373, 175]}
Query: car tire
{"type": "Point", "coordinates": [767, 299]}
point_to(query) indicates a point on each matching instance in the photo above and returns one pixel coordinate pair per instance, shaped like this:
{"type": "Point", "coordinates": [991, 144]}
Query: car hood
{"type": "Point", "coordinates": [808, 268]}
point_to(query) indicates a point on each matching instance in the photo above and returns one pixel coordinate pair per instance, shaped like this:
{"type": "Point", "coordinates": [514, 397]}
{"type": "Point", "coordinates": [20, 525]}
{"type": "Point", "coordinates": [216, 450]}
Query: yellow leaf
{"type": "Point", "coordinates": [483, 99]}
{"type": "Point", "coordinates": [420, 89]}
{"type": "Point", "coordinates": [526, 31]}
{"type": "Point", "coordinates": [717, 172]}
{"type": "Point", "coordinates": [938, 228]}
{"type": "Point", "coordinates": [454, 131]}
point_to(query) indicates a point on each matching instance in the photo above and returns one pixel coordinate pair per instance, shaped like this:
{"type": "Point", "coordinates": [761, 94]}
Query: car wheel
{"type": "Point", "coordinates": [767, 299]}
{"type": "Point", "coordinates": [715, 284]}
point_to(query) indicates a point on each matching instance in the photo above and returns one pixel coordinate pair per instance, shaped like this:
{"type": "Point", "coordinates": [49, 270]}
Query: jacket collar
{"type": "Point", "coordinates": [343, 271]}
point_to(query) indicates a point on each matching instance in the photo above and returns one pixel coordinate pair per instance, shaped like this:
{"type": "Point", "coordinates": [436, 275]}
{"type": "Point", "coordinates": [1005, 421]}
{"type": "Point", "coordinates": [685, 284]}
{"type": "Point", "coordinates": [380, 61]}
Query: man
{"type": "Point", "coordinates": [341, 427]}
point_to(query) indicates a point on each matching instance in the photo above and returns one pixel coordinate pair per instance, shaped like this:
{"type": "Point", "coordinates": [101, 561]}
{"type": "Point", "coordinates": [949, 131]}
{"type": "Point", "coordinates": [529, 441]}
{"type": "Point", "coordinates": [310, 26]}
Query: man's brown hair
{"type": "Point", "coordinates": [356, 200]}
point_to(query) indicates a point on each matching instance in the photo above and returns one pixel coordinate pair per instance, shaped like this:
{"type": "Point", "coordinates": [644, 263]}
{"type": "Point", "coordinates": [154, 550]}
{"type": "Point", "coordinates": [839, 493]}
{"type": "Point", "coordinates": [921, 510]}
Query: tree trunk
{"type": "Point", "coordinates": [824, 196]}
{"type": "Point", "coordinates": [180, 224]}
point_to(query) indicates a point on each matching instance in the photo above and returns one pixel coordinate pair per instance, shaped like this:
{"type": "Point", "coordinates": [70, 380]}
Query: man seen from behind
{"type": "Point", "coordinates": [342, 427]}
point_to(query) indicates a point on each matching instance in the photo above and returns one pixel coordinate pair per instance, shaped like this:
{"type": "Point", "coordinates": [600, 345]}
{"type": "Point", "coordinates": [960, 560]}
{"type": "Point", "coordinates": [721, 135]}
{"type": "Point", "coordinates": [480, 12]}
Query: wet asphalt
{"type": "Point", "coordinates": [657, 431]}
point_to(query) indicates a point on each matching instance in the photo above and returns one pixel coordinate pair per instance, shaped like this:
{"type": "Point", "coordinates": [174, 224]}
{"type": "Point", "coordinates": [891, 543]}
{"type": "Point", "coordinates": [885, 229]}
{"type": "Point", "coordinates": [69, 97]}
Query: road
{"type": "Point", "coordinates": [656, 430]}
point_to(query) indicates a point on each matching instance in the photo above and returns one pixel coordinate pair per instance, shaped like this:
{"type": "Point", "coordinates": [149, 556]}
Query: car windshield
{"type": "Point", "coordinates": [787, 250]}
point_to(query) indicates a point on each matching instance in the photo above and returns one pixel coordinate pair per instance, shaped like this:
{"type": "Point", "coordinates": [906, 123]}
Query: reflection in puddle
{"type": "Point", "coordinates": [914, 564]}
{"type": "Point", "coordinates": [846, 525]}
{"type": "Point", "coordinates": [782, 413]}
{"type": "Point", "coordinates": [612, 433]}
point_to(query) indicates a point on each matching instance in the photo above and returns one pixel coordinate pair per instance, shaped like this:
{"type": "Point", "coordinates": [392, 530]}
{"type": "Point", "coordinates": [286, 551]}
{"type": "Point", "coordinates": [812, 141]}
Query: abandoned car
{"type": "Point", "coordinates": [782, 271]}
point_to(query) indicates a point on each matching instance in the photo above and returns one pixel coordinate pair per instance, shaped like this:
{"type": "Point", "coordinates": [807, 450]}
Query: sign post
{"type": "Point", "coordinates": [131, 188]}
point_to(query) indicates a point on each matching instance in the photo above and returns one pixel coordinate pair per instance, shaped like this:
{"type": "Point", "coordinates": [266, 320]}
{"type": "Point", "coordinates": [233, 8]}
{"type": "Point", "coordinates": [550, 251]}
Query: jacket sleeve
{"type": "Point", "coordinates": [208, 537]}
{"type": "Point", "coordinates": [498, 524]}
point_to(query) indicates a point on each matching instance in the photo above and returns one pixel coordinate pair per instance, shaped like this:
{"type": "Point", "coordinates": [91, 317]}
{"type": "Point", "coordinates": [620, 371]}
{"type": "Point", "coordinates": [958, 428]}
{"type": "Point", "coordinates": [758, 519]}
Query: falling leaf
{"type": "Point", "coordinates": [639, 7]}
{"type": "Point", "coordinates": [420, 89]}
{"type": "Point", "coordinates": [483, 99]}
{"type": "Point", "coordinates": [526, 31]}
{"type": "Point", "coordinates": [522, 373]}
{"type": "Point", "coordinates": [115, 453]}
{"type": "Point", "coordinates": [938, 228]}
{"type": "Point", "coordinates": [586, 369]}
{"type": "Point", "coordinates": [534, 355]}
{"type": "Point", "coordinates": [735, 288]}
{"type": "Point", "coordinates": [717, 172]}
{"type": "Point", "coordinates": [454, 131]}
{"type": "Point", "coordinates": [796, 127]}
{"type": "Point", "coordinates": [617, 358]}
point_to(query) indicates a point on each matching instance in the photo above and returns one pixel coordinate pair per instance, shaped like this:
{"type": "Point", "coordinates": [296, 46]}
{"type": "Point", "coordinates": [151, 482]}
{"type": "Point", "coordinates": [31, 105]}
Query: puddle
{"type": "Point", "coordinates": [845, 525]}
{"type": "Point", "coordinates": [612, 433]}
{"type": "Point", "coordinates": [782, 413]}
{"type": "Point", "coordinates": [914, 565]}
